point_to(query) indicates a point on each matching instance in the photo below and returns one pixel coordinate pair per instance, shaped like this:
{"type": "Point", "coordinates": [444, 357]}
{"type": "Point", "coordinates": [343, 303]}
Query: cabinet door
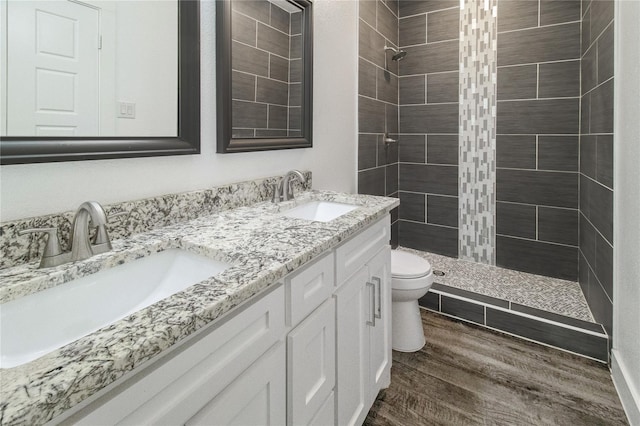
{"type": "Point", "coordinates": [354, 304]}
{"type": "Point", "coordinates": [355, 252]}
{"type": "Point", "coordinates": [380, 334]}
{"type": "Point", "coordinates": [326, 415]}
{"type": "Point", "coordinates": [257, 397]}
{"type": "Point", "coordinates": [311, 364]}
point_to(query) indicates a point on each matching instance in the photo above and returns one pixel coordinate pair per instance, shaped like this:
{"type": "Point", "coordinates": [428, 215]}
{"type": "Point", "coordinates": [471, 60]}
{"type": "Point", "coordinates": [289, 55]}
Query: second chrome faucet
{"type": "Point", "coordinates": [283, 190]}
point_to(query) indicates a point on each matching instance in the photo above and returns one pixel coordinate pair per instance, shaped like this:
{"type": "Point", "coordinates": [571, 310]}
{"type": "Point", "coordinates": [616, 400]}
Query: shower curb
{"type": "Point", "coordinates": [583, 338]}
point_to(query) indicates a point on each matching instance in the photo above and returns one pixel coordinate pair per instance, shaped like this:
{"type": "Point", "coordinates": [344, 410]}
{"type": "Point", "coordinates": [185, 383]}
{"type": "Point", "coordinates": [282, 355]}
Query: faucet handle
{"type": "Point", "coordinates": [102, 235]}
{"type": "Point", "coordinates": [119, 214]}
{"type": "Point", "coordinates": [289, 190]}
{"type": "Point", "coordinates": [277, 191]}
{"type": "Point", "coordinates": [53, 254]}
{"type": "Point", "coordinates": [52, 246]}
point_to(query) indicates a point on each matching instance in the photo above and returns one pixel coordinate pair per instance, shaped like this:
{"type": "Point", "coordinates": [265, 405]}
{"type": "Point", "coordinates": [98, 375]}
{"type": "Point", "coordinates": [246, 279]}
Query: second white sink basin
{"type": "Point", "coordinates": [42, 322]}
{"type": "Point", "coordinates": [320, 211]}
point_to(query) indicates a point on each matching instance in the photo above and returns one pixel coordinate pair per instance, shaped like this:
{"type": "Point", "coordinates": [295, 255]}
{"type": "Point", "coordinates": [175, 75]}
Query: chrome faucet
{"type": "Point", "coordinates": [283, 190]}
{"type": "Point", "coordinates": [82, 247]}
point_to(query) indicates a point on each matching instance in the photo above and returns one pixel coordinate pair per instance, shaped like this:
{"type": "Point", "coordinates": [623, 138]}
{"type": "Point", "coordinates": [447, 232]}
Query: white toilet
{"type": "Point", "coordinates": [411, 278]}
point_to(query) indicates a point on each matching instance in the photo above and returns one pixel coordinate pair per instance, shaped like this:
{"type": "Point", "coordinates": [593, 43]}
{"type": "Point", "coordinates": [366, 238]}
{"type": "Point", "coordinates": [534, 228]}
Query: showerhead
{"type": "Point", "coordinates": [398, 55]}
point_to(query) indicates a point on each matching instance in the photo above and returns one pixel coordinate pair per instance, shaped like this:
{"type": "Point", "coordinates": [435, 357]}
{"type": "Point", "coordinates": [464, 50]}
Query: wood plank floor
{"type": "Point", "coordinates": [467, 375]}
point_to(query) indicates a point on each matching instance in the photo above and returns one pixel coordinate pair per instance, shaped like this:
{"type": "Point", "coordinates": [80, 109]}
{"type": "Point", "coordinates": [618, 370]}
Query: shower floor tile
{"type": "Point", "coordinates": [536, 291]}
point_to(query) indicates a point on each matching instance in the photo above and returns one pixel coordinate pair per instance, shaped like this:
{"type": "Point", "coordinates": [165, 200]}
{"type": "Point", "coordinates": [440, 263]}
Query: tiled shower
{"type": "Point", "coordinates": [504, 153]}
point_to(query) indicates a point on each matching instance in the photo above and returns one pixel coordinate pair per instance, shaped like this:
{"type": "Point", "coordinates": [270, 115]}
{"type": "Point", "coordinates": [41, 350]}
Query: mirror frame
{"type": "Point", "coordinates": [29, 149]}
{"type": "Point", "coordinates": [228, 144]}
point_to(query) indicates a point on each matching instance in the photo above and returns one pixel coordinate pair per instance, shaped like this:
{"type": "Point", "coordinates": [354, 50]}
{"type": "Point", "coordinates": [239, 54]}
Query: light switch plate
{"type": "Point", "coordinates": [126, 110]}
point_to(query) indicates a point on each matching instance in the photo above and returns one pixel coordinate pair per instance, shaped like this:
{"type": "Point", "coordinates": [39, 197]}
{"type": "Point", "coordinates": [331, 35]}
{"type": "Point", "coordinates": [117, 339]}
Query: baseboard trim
{"type": "Point", "coordinates": [629, 397]}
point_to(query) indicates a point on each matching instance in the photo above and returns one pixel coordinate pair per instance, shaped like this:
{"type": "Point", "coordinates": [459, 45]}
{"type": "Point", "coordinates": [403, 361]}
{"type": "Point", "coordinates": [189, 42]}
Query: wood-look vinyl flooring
{"type": "Point", "coordinates": [467, 375]}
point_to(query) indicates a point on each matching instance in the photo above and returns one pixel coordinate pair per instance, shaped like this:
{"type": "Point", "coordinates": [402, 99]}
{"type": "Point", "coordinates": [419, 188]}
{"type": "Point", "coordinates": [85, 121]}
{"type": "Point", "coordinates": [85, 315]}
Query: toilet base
{"type": "Point", "coordinates": [407, 334]}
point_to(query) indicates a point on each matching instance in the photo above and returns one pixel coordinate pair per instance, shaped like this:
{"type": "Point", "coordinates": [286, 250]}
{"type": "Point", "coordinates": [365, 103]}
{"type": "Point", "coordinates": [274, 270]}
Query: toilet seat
{"type": "Point", "coordinates": [408, 266]}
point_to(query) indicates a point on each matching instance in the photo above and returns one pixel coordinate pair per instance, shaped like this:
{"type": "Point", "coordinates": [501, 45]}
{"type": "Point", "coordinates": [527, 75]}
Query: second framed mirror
{"type": "Point", "coordinates": [264, 74]}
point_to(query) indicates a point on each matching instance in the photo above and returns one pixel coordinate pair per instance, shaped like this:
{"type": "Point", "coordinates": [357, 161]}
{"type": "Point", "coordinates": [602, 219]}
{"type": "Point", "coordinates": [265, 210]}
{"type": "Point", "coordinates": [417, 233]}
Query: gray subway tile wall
{"type": "Point", "coordinates": [442, 87]}
{"type": "Point", "coordinates": [278, 68]}
{"type": "Point", "coordinates": [429, 32]}
{"type": "Point", "coordinates": [538, 126]}
{"type": "Point", "coordinates": [443, 25]}
{"type": "Point", "coordinates": [439, 208]}
{"type": "Point", "coordinates": [557, 225]}
{"type": "Point", "coordinates": [558, 79]}
{"type": "Point", "coordinates": [539, 116]}
{"type": "Point", "coordinates": [559, 153]}
{"type": "Point", "coordinates": [596, 154]}
{"type": "Point", "coordinates": [541, 44]}
{"type": "Point", "coordinates": [266, 42]}
{"type": "Point", "coordinates": [442, 149]}
{"type": "Point", "coordinates": [518, 220]}
{"type": "Point", "coordinates": [428, 237]}
{"type": "Point", "coordinates": [412, 148]}
{"type": "Point", "coordinates": [413, 206]}
{"type": "Point", "coordinates": [518, 82]}
{"type": "Point", "coordinates": [517, 15]}
{"type": "Point", "coordinates": [378, 91]}
{"type": "Point", "coordinates": [416, 7]}
{"type": "Point", "coordinates": [429, 179]}
{"type": "Point", "coordinates": [413, 30]}
{"type": "Point", "coordinates": [425, 119]}
{"type": "Point", "coordinates": [556, 12]}
{"type": "Point", "coordinates": [516, 151]}
{"type": "Point", "coordinates": [537, 257]}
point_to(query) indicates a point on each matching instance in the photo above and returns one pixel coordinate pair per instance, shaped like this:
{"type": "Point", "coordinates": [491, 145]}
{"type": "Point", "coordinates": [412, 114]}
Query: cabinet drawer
{"type": "Point", "coordinates": [308, 288]}
{"type": "Point", "coordinates": [357, 251]}
{"type": "Point", "coordinates": [173, 389]}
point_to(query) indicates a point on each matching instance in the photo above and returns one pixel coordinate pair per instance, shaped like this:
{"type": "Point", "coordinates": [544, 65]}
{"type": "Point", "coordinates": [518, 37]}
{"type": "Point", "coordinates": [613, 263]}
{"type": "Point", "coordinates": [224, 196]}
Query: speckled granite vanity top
{"type": "Point", "coordinates": [262, 246]}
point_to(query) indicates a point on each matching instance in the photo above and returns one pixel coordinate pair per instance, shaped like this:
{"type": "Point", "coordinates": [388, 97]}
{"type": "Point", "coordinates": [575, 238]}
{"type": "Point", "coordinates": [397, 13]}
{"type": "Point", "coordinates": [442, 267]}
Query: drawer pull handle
{"type": "Point", "coordinates": [372, 308]}
{"type": "Point", "coordinates": [378, 282]}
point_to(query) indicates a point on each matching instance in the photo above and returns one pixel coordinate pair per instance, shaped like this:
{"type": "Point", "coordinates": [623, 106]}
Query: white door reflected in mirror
{"type": "Point", "coordinates": [90, 68]}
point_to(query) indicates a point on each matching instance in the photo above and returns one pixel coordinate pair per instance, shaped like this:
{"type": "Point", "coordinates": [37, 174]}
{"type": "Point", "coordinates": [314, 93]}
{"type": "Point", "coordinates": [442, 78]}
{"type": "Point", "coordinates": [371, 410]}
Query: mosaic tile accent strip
{"type": "Point", "coordinates": [535, 291]}
{"type": "Point", "coordinates": [140, 216]}
{"type": "Point", "coordinates": [477, 137]}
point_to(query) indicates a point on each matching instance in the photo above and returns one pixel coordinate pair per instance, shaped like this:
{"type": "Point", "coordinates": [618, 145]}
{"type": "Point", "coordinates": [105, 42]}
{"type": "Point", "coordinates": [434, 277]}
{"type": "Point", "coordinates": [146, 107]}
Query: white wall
{"type": "Point", "coordinates": [626, 290]}
{"type": "Point", "coordinates": [145, 74]}
{"type": "Point", "coordinates": [36, 189]}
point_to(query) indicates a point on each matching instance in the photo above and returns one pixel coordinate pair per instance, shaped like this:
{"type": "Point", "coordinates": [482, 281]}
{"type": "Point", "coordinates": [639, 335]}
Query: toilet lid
{"type": "Point", "coordinates": [408, 265]}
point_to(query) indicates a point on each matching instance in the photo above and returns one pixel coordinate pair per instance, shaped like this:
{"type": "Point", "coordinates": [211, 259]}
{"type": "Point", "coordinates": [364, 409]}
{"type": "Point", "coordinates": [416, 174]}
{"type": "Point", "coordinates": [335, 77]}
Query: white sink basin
{"type": "Point", "coordinates": [37, 324]}
{"type": "Point", "coordinates": [319, 211]}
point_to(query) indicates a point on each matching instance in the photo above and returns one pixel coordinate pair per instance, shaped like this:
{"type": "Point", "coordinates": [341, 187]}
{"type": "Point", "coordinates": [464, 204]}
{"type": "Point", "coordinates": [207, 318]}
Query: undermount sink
{"type": "Point", "coordinates": [37, 324]}
{"type": "Point", "coordinates": [319, 211]}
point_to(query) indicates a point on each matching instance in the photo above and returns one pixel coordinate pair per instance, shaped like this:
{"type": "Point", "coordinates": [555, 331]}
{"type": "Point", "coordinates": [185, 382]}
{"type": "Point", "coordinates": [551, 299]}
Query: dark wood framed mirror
{"type": "Point", "coordinates": [184, 140]}
{"type": "Point", "coordinates": [264, 74]}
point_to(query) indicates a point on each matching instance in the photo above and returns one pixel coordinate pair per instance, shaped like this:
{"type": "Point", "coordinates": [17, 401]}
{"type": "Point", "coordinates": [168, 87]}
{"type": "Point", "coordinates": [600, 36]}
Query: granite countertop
{"type": "Point", "coordinates": [261, 245]}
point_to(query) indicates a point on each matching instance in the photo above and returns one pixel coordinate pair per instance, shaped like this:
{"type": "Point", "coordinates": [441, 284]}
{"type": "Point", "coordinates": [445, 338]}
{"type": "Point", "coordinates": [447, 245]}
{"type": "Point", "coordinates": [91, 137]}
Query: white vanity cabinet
{"type": "Point", "coordinates": [363, 333]}
{"type": "Point", "coordinates": [313, 350]}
